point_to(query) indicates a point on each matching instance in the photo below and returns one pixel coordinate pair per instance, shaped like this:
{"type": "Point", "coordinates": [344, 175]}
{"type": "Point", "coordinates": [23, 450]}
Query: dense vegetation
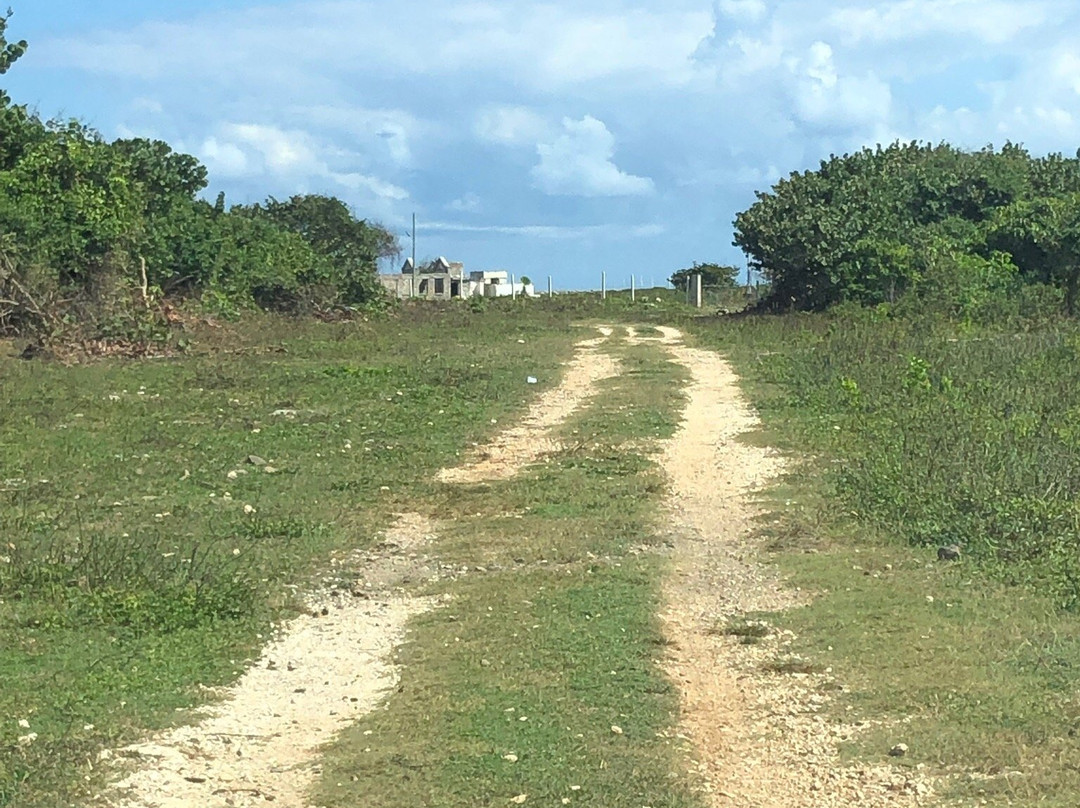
{"type": "Point", "coordinates": [95, 233]}
{"type": "Point", "coordinates": [971, 232]}
{"type": "Point", "coordinates": [713, 276]}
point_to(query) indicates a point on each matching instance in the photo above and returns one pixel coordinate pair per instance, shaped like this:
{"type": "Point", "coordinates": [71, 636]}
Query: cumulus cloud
{"type": "Point", "coordinates": [579, 162]}
{"type": "Point", "coordinates": [406, 106]}
{"type": "Point", "coordinates": [224, 159]}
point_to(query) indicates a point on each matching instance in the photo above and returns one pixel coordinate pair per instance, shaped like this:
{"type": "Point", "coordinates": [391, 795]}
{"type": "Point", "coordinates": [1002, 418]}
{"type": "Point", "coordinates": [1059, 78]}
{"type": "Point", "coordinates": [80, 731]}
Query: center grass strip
{"type": "Point", "coordinates": [539, 680]}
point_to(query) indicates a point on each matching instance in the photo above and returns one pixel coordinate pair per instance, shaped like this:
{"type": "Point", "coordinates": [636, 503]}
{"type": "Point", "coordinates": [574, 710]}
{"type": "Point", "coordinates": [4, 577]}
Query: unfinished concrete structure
{"type": "Point", "coordinates": [445, 280]}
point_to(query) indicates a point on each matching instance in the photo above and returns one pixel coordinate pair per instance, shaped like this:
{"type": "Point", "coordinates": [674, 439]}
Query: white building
{"type": "Point", "coordinates": [497, 284]}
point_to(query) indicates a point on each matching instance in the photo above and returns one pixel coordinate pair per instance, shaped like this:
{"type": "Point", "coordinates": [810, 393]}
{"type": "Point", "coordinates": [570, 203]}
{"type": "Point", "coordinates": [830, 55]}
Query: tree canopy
{"type": "Point", "coordinates": [879, 223]}
{"type": "Point", "coordinates": [718, 276]}
{"type": "Point", "coordinates": [85, 222]}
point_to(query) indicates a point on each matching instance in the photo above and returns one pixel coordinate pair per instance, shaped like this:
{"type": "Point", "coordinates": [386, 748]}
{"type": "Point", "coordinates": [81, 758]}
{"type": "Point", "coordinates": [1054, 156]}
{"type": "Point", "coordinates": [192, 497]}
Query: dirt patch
{"type": "Point", "coordinates": [530, 440]}
{"type": "Point", "coordinates": [260, 745]}
{"type": "Point", "coordinates": [760, 737]}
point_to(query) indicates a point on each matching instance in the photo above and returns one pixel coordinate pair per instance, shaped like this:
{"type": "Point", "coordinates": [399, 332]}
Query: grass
{"type": "Point", "coordinates": [552, 660]}
{"type": "Point", "coordinates": [144, 560]}
{"type": "Point", "coordinates": [914, 435]}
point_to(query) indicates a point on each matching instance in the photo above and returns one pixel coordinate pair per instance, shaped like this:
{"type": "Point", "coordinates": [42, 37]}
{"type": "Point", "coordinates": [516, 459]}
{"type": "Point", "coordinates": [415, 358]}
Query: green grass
{"type": "Point", "coordinates": [541, 659]}
{"type": "Point", "coordinates": [916, 434]}
{"type": "Point", "coordinates": [131, 572]}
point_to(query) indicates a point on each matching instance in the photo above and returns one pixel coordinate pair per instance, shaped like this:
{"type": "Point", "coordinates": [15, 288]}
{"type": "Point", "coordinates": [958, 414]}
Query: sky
{"type": "Point", "coordinates": [550, 138]}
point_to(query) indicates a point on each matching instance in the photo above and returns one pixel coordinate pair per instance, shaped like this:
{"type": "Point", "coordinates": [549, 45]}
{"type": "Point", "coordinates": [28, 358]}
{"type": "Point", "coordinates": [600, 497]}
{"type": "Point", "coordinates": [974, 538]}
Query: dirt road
{"type": "Point", "coordinates": [761, 739]}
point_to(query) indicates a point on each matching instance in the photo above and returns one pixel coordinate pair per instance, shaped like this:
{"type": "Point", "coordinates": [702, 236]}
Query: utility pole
{"type": "Point", "coordinates": [412, 276]}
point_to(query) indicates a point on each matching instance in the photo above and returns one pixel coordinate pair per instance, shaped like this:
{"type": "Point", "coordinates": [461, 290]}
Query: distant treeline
{"type": "Point", "coordinates": [978, 233]}
{"type": "Point", "coordinates": [90, 229]}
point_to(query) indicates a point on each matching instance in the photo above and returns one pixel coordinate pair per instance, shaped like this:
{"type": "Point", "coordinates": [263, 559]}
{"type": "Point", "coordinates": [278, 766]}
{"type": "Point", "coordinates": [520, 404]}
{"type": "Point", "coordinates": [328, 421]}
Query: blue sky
{"type": "Point", "coordinates": [550, 138]}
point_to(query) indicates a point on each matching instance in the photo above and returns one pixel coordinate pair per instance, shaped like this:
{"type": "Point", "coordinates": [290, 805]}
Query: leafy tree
{"type": "Point", "coordinates": [349, 248]}
{"type": "Point", "coordinates": [712, 276]}
{"type": "Point", "coordinates": [1043, 237]}
{"type": "Point", "coordinates": [867, 226]}
{"type": "Point", "coordinates": [86, 224]}
{"type": "Point", "coordinates": [9, 51]}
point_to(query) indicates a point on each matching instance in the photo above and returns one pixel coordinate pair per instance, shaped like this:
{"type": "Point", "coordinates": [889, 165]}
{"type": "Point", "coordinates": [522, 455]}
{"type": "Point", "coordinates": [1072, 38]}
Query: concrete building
{"type": "Point", "coordinates": [497, 284]}
{"type": "Point", "coordinates": [446, 280]}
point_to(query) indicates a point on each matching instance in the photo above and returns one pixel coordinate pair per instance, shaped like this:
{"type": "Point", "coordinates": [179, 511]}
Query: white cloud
{"type": "Point", "coordinates": [470, 203]}
{"type": "Point", "coordinates": [743, 10]}
{"type": "Point", "coordinates": [377, 187]}
{"type": "Point", "coordinates": [824, 98]}
{"type": "Point", "coordinates": [579, 163]}
{"type": "Point", "coordinates": [991, 21]}
{"type": "Point", "coordinates": [532, 43]}
{"type": "Point", "coordinates": [383, 133]}
{"type": "Point", "coordinates": [609, 231]}
{"type": "Point", "coordinates": [281, 151]}
{"type": "Point", "coordinates": [510, 125]}
{"type": "Point", "coordinates": [224, 159]}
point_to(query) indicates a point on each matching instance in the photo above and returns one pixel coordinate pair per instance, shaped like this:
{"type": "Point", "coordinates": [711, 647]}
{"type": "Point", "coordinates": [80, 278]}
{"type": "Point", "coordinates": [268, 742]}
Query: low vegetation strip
{"type": "Point", "coordinates": [932, 513]}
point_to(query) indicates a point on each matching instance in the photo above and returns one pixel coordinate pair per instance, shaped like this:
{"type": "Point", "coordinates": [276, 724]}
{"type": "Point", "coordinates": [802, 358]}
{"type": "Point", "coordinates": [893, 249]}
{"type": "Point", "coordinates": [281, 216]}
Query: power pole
{"type": "Point", "coordinates": [414, 242]}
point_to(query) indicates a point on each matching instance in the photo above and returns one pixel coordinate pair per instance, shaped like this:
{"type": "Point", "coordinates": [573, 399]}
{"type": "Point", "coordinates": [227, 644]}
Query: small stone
{"type": "Point", "coordinates": [949, 553]}
{"type": "Point", "coordinates": [511, 758]}
{"type": "Point", "coordinates": [617, 730]}
{"type": "Point", "coordinates": [519, 799]}
{"type": "Point", "coordinates": [899, 750]}
{"type": "Point", "coordinates": [255, 460]}
{"type": "Point", "coordinates": [270, 470]}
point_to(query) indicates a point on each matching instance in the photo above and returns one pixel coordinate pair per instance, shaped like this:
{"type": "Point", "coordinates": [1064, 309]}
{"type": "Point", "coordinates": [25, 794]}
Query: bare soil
{"type": "Point", "coordinates": [261, 744]}
{"type": "Point", "coordinates": [761, 738]}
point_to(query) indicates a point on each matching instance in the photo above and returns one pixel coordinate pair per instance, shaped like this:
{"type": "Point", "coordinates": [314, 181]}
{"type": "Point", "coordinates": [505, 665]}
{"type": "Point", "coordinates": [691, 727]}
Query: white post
{"type": "Point", "coordinates": [549, 286]}
{"type": "Point", "coordinates": [603, 286]}
{"type": "Point", "coordinates": [696, 297]}
{"type": "Point", "coordinates": [633, 290]}
{"type": "Point", "coordinates": [513, 288]}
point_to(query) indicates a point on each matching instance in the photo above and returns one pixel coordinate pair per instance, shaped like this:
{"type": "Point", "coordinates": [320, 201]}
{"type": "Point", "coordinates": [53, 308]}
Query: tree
{"type": "Point", "coordinates": [9, 51]}
{"type": "Point", "coordinates": [1043, 237]}
{"type": "Point", "coordinates": [713, 276]}
{"type": "Point", "coordinates": [350, 247]}
{"type": "Point", "coordinates": [857, 227]}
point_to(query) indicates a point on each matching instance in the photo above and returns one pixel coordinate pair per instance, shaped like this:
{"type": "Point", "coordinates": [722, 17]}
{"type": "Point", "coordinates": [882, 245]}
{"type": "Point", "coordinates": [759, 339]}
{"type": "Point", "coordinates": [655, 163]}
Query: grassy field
{"type": "Point", "coordinates": [913, 435]}
{"type": "Point", "coordinates": [143, 559]}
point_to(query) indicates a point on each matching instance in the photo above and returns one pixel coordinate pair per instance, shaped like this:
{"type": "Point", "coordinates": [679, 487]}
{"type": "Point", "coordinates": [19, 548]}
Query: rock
{"type": "Point", "coordinates": [899, 750]}
{"type": "Point", "coordinates": [949, 553]}
{"type": "Point", "coordinates": [255, 460]}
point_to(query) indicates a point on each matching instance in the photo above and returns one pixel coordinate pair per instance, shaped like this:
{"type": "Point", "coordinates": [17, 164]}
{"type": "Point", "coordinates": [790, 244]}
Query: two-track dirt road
{"type": "Point", "coordinates": [760, 740]}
